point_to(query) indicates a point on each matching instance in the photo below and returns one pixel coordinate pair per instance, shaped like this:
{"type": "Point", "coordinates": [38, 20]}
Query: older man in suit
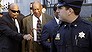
{"type": "Point", "coordinates": [10, 30]}
{"type": "Point", "coordinates": [30, 26]}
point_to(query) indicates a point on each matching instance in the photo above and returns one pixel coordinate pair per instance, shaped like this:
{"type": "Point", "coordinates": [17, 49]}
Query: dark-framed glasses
{"type": "Point", "coordinates": [14, 11]}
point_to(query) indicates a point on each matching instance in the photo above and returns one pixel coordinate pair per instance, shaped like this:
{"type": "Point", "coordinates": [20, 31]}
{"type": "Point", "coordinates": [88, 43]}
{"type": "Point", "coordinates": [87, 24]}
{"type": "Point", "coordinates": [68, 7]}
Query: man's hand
{"type": "Point", "coordinates": [28, 37]}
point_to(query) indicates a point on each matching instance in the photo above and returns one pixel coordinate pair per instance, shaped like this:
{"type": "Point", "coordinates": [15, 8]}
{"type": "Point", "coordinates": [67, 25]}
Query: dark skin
{"type": "Point", "coordinates": [37, 9]}
{"type": "Point", "coordinates": [13, 7]}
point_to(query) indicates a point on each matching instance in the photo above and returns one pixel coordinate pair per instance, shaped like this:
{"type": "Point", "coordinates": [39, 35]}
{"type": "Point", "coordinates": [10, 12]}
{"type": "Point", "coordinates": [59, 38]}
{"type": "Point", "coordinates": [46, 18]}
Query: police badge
{"type": "Point", "coordinates": [81, 35]}
{"type": "Point", "coordinates": [57, 36]}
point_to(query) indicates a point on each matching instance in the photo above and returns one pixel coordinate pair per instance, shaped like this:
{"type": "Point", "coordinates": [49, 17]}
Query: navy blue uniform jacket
{"type": "Point", "coordinates": [75, 37]}
{"type": "Point", "coordinates": [47, 33]}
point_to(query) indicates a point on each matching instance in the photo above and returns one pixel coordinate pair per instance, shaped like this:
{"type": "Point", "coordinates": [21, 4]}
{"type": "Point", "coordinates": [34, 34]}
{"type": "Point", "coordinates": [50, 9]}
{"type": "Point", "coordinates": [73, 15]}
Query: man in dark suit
{"type": "Point", "coordinates": [48, 29]}
{"type": "Point", "coordinates": [30, 26]}
{"type": "Point", "coordinates": [10, 30]}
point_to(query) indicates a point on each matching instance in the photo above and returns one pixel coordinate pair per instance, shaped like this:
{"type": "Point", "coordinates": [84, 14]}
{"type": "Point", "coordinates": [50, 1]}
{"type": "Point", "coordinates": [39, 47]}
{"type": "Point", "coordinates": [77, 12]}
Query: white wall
{"type": "Point", "coordinates": [89, 1]}
{"type": "Point", "coordinates": [25, 6]}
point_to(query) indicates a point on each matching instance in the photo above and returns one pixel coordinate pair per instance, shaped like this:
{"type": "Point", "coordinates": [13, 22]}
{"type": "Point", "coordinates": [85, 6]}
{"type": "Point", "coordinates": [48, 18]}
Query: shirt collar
{"type": "Point", "coordinates": [74, 23]}
{"type": "Point", "coordinates": [57, 20]}
{"type": "Point", "coordinates": [37, 18]}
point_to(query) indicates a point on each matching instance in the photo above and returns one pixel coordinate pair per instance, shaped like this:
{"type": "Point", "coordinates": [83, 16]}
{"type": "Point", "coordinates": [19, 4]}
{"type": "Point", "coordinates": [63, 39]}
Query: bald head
{"type": "Point", "coordinates": [13, 10]}
{"type": "Point", "coordinates": [13, 6]}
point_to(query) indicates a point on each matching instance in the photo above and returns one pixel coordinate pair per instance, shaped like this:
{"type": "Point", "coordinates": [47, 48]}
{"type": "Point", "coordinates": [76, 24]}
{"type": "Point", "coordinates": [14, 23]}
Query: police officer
{"type": "Point", "coordinates": [47, 32]}
{"type": "Point", "coordinates": [75, 34]}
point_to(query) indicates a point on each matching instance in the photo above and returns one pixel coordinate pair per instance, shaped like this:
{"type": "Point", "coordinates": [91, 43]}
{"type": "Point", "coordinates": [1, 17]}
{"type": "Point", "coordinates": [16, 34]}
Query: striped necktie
{"type": "Point", "coordinates": [39, 29]}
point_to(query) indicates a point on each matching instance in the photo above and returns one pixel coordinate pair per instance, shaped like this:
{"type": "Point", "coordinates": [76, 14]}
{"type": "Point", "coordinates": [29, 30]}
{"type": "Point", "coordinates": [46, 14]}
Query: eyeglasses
{"type": "Point", "coordinates": [15, 11]}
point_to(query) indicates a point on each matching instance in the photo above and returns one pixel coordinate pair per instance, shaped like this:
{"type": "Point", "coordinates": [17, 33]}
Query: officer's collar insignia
{"type": "Point", "coordinates": [75, 25]}
{"type": "Point", "coordinates": [64, 25]}
{"type": "Point", "coordinates": [81, 35]}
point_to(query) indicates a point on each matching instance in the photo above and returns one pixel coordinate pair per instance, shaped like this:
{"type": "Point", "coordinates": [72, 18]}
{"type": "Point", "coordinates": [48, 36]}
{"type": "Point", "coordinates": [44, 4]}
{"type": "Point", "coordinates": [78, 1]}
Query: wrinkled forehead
{"type": "Point", "coordinates": [37, 6]}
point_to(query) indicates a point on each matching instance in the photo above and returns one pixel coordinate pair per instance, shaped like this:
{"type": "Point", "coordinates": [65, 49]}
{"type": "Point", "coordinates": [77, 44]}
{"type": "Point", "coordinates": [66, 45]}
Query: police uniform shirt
{"type": "Point", "coordinates": [75, 37]}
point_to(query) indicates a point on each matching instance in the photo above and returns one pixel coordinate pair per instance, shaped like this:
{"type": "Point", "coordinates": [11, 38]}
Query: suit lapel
{"type": "Point", "coordinates": [30, 23]}
{"type": "Point", "coordinates": [19, 21]}
{"type": "Point", "coordinates": [43, 20]}
{"type": "Point", "coordinates": [10, 20]}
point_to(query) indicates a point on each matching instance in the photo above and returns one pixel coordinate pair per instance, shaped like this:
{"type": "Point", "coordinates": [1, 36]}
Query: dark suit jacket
{"type": "Point", "coordinates": [47, 33]}
{"type": "Point", "coordinates": [10, 39]}
{"type": "Point", "coordinates": [28, 26]}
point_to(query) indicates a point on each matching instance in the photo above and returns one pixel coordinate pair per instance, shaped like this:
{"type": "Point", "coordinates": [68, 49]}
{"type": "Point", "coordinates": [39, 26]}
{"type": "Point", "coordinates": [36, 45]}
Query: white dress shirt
{"type": "Point", "coordinates": [35, 26]}
{"type": "Point", "coordinates": [17, 25]}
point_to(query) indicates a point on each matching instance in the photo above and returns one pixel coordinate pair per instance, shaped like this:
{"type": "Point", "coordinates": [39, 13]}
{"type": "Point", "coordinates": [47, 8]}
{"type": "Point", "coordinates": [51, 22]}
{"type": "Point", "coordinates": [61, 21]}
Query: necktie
{"type": "Point", "coordinates": [17, 25]}
{"type": "Point", "coordinates": [38, 29]}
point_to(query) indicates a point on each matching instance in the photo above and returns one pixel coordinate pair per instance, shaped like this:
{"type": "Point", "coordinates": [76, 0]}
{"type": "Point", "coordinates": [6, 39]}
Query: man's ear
{"type": "Point", "coordinates": [41, 7]}
{"type": "Point", "coordinates": [70, 10]}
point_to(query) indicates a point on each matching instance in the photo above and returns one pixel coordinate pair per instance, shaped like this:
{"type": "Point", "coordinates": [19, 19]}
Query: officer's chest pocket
{"type": "Point", "coordinates": [82, 38]}
{"type": "Point", "coordinates": [83, 42]}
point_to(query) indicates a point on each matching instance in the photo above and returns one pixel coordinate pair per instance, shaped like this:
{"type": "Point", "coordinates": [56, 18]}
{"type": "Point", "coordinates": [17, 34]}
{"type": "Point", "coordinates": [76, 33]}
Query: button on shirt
{"type": "Point", "coordinates": [35, 26]}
